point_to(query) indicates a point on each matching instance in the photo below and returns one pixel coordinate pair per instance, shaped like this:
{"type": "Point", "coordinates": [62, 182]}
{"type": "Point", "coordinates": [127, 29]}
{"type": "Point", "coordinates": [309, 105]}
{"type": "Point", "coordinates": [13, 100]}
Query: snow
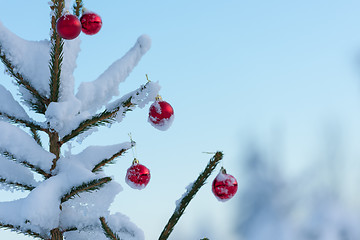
{"type": "Point", "coordinates": [65, 116]}
{"type": "Point", "coordinates": [221, 177]}
{"type": "Point", "coordinates": [41, 207]}
{"type": "Point", "coordinates": [139, 97]}
{"type": "Point", "coordinates": [188, 189]}
{"type": "Point", "coordinates": [86, 209]}
{"type": "Point", "coordinates": [93, 95]}
{"type": "Point", "coordinates": [121, 224]}
{"type": "Point", "coordinates": [12, 213]}
{"type": "Point", "coordinates": [80, 138]}
{"type": "Point", "coordinates": [71, 52]}
{"type": "Point", "coordinates": [117, 222]}
{"type": "Point", "coordinates": [30, 58]}
{"type": "Point", "coordinates": [164, 124]}
{"type": "Point", "coordinates": [10, 106]}
{"type": "Point", "coordinates": [142, 98]}
{"type": "Point", "coordinates": [15, 172]}
{"type": "Point", "coordinates": [134, 185]}
{"type": "Point", "coordinates": [28, 151]}
{"type": "Point", "coordinates": [67, 5]}
{"type": "Point", "coordinates": [92, 155]}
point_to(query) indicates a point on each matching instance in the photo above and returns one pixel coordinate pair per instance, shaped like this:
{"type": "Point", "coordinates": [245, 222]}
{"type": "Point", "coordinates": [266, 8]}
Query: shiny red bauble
{"type": "Point", "coordinates": [161, 115]}
{"type": "Point", "coordinates": [137, 176]}
{"type": "Point", "coordinates": [68, 26]}
{"type": "Point", "coordinates": [90, 23]}
{"type": "Point", "coordinates": [224, 186]}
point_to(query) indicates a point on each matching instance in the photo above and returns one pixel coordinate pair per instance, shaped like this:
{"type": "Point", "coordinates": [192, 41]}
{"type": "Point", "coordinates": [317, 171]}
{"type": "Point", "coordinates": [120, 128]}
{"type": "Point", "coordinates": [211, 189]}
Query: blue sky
{"type": "Point", "coordinates": [233, 71]}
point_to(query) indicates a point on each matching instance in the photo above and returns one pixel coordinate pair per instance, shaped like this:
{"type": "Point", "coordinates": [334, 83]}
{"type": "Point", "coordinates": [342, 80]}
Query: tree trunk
{"type": "Point", "coordinates": [56, 234]}
{"type": "Point", "coordinates": [54, 144]}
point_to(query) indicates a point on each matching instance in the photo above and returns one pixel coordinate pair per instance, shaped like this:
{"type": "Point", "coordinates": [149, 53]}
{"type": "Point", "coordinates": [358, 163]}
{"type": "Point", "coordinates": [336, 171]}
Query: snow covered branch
{"type": "Point", "coordinates": [39, 101]}
{"type": "Point", "coordinates": [29, 152]}
{"type": "Point", "coordinates": [117, 227]}
{"type": "Point", "coordinates": [93, 95]}
{"type": "Point", "coordinates": [107, 230]}
{"type": "Point", "coordinates": [27, 62]}
{"type": "Point", "coordinates": [93, 158]}
{"type": "Point", "coordinates": [189, 194]}
{"type": "Point", "coordinates": [11, 110]}
{"type": "Point", "coordinates": [101, 164]}
{"type": "Point", "coordinates": [108, 160]}
{"type": "Point", "coordinates": [117, 110]}
{"type": "Point", "coordinates": [36, 136]}
{"type": "Point", "coordinates": [16, 185]}
{"type": "Point", "coordinates": [16, 175]}
{"type": "Point", "coordinates": [31, 125]}
{"type": "Point", "coordinates": [25, 163]}
{"type": "Point", "coordinates": [19, 230]}
{"type": "Point", "coordinates": [56, 52]}
{"type": "Point", "coordinates": [86, 187]}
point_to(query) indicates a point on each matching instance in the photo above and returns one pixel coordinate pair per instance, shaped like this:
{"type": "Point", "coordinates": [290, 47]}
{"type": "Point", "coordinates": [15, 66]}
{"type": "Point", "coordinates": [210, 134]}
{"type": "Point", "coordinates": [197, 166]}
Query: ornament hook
{"type": "Point", "coordinates": [223, 170]}
{"type": "Point", "coordinates": [133, 149]}
{"type": "Point", "coordinates": [135, 161]}
{"type": "Point", "coordinates": [158, 98]}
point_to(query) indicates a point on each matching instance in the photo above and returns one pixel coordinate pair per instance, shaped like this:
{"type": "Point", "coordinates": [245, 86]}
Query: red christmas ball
{"type": "Point", "coordinates": [68, 26]}
{"type": "Point", "coordinates": [224, 186]}
{"type": "Point", "coordinates": [137, 176]}
{"type": "Point", "coordinates": [91, 23]}
{"type": "Point", "coordinates": [161, 115]}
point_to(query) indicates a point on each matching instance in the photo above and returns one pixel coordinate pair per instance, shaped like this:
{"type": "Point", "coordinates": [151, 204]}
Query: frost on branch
{"type": "Point", "coordinates": [93, 95]}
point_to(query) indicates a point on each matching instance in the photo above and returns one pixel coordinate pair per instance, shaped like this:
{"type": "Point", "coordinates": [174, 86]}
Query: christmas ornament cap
{"type": "Point", "coordinates": [161, 114]}
{"type": "Point", "coordinates": [68, 26]}
{"type": "Point", "coordinates": [137, 176]}
{"type": "Point", "coordinates": [224, 186]}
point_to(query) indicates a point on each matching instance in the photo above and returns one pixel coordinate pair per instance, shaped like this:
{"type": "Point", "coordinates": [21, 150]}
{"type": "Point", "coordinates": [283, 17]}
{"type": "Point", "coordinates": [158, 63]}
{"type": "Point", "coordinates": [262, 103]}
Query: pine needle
{"type": "Point", "coordinates": [101, 164]}
{"type": "Point", "coordinates": [56, 52]}
{"type": "Point", "coordinates": [16, 185]}
{"type": "Point", "coordinates": [107, 230]}
{"type": "Point", "coordinates": [77, 7]}
{"type": "Point", "coordinates": [18, 229]}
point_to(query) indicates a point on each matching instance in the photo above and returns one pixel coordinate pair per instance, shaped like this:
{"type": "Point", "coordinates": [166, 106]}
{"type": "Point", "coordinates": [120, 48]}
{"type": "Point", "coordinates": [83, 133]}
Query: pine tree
{"type": "Point", "coordinates": [73, 197]}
